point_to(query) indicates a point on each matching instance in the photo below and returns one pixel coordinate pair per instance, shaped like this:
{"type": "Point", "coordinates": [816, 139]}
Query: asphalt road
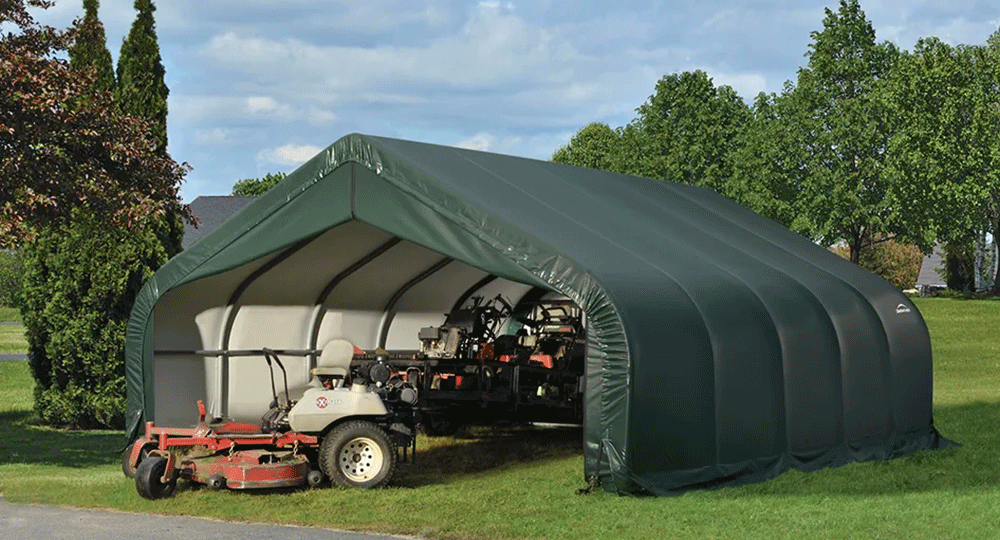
{"type": "Point", "coordinates": [29, 522]}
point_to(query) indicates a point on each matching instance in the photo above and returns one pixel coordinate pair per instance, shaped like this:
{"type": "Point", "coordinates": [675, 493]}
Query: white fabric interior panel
{"type": "Point", "coordinates": [427, 303]}
{"type": "Point", "coordinates": [371, 287]}
{"type": "Point", "coordinates": [300, 278]}
{"type": "Point", "coordinates": [512, 291]}
{"type": "Point", "coordinates": [360, 299]}
{"type": "Point", "coordinates": [250, 385]}
{"type": "Point", "coordinates": [178, 384]}
{"type": "Point", "coordinates": [406, 326]}
{"type": "Point", "coordinates": [190, 317]}
{"type": "Point", "coordinates": [358, 327]}
{"type": "Point", "coordinates": [274, 327]}
{"type": "Point", "coordinates": [440, 290]}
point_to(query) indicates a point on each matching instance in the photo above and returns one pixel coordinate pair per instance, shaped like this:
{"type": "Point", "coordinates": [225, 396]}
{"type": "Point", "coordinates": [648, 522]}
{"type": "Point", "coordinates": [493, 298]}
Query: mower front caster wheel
{"type": "Point", "coordinates": [148, 479]}
{"type": "Point", "coordinates": [358, 454]}
{"type": "Point", "coordinates": [216, 482]}
{"type": "Point", "coordinates": [127, 467]}
{"type": "Point", "coordinates": [314, 478]}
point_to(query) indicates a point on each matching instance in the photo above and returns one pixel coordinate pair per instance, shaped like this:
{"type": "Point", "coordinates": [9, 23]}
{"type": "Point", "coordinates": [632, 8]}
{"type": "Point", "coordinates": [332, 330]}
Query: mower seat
{"type": "Point", "coordinates": [335, 361]}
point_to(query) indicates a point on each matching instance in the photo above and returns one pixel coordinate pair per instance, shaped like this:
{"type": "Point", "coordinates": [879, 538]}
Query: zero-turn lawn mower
{"type": "Point", "coordinates": [349, 430]}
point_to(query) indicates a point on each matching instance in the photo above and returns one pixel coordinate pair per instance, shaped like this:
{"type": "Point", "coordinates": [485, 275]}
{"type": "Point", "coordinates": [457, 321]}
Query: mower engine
{"type": "Point", "coordinates": [465, 329]}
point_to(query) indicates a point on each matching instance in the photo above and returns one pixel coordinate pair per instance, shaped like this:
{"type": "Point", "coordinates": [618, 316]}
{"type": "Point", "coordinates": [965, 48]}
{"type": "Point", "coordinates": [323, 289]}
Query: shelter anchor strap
{"type": "Point", "coordinates": [594, 481]}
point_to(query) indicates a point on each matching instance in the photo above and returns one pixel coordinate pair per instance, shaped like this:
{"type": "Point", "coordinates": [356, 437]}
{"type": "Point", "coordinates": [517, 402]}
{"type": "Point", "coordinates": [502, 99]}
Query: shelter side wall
{"type": "Point", "coordinates": [191, 318]}
{"type": "Point", "coordinates": [886, 366]}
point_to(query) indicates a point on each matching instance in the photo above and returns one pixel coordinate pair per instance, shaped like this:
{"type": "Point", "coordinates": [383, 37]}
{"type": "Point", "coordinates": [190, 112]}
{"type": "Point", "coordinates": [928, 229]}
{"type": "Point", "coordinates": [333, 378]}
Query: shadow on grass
{"type": "Point", "coordinates": [444, 459]}
{"type": "Point", "coordinates": [486, 449]}
{"type": "Point", "coordinates": [975, 465]}
{"type": "Point", "coordinates": [25, 443]}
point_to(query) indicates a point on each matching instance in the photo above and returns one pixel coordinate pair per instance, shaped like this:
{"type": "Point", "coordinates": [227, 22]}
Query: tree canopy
{"type": "Point", "coordinates": [844, 127]}
{"type": "Point", "coordinates": [868, 144]}
{"type": "Point", "coordinates": [596, 146]}
{"type": "Point", "coordinates": [255, 187]}
{"type": "Point", "coordinates": [686, 131]}
{"type": "Point", "coordinates": [54, 127]}
{"type": "Point", "coordinates": [90, 49]}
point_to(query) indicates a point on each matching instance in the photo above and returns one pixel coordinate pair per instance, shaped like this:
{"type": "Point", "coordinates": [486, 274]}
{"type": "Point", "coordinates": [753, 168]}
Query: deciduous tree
{"type": "Point", "coordinates": [62, 145]}
{"type": "Point", "coordinates": [685, 132]}
{"type": "Point", "coordinates": [843, 126]}
{"type": "Point", "coordinates": [595, 146]}
{"type": "Point", "coordinates": [255, 187]}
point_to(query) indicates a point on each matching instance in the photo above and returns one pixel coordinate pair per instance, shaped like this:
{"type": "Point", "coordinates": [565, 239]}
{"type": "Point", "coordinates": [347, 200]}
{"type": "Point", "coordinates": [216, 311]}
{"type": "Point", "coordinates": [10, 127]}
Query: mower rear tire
{"type": "Point", "coordinates": [148, 479]}
{"type": "Point", "coordinates": [358, 454]}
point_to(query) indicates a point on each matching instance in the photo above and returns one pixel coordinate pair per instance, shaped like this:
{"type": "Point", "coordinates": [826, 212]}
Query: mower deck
{"type": "Point", "coordinates": [248, 469]}
{"type": "Point", "coordinates": [239, 456]}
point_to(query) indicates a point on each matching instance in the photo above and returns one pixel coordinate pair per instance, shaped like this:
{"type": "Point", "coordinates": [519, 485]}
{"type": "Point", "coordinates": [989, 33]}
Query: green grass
{"type": "Point", "coordinates": [12, 339]}
{"type": "Point", "coordinates": [9, 314]}
{"type": "Point", "coordinates": [520, 483]}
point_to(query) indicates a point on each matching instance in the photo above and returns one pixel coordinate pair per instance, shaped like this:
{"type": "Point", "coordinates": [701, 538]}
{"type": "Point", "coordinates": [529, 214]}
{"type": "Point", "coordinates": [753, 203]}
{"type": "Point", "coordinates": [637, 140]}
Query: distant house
{"type": "Point", "coordinates": [211, 211]}
{"type": "Point", "coordinates": [931, 269]}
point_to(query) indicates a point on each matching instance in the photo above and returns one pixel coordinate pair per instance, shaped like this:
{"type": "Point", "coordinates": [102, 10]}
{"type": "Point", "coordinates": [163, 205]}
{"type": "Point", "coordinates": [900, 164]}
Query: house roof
{"type": "Point", "coordinates": [929, 269]}
{"type": "Point", "coordinates": [211, 211]}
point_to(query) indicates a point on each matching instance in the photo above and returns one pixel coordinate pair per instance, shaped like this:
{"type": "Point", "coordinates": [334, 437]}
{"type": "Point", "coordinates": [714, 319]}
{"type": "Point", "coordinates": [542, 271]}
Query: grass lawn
{"type": "Point", "coordinates": [9, 314]}
{"type": "Point", "coordinates": [12, 339]}
{"type": "Point", "coordinates": [520, 483]}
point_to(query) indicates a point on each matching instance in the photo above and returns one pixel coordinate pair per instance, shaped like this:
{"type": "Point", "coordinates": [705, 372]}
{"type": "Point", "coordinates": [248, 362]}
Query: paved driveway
{"type": "Point", "coordinates": [29, 522]}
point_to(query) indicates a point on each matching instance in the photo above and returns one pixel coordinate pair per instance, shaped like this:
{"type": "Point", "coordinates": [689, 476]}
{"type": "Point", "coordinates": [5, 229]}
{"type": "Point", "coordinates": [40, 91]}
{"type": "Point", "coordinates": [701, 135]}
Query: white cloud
{"type": "Point", "coordinates": [245, 75]}
{"type": "Point", "coordinates": [289, 155]}
{"type": "Point", "coordinates": [540, 146]}
{"type": "Point", "coordinates": [254, 108]}
{"type": "Point", "coordinates": [214, 136]}
{"type": "Point", "coordinates": [479, 141]}
{"type": "Point", "coordinates": [493, 47]}
{"type": "Point", "coordinates": [747, 85]}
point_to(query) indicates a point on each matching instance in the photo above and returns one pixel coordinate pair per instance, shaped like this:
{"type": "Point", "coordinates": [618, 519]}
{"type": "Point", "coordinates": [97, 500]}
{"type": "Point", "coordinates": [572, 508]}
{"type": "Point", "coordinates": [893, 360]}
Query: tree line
{"type": "Point", "coordinates": [870, 143]}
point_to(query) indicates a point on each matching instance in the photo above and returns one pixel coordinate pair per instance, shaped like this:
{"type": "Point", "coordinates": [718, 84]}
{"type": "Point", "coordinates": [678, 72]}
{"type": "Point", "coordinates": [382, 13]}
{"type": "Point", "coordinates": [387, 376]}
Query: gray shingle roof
{"type": "Point", "coordinates": [929, 267]}
{"type": "Point", "coordinates": [211, 211]}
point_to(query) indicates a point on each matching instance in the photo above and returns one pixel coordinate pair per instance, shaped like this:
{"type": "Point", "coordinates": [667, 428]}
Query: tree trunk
{"type": "Point", "coordinates": [856, 251]}
{"type": "Point", "coordinates": [995, 289]}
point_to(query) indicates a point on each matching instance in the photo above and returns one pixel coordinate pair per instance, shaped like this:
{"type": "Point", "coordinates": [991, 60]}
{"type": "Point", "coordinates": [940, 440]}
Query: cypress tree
{"type": "Point", "coordinates": [142, 91]}
{"type": "Point", "coordinates": [91, 48]}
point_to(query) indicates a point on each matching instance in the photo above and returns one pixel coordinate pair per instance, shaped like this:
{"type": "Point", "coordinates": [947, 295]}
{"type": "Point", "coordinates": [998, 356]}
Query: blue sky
{"type": "Point", "coordinates": [260, 86]}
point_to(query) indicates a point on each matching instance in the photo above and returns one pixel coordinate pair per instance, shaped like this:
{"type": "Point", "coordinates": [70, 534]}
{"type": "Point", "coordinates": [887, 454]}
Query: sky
{"type": "Point", "coordinates": [260, 86]}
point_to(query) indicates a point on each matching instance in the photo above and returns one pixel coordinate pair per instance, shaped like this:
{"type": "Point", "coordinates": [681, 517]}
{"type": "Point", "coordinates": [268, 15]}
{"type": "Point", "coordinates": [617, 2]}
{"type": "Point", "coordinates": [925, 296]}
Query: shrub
{"type": "Point", "coordinates": [960, 266]}
{"type": "Point", "coordinates": [80, 282]}
{"type": "Point", "coordinates": [897, 263]}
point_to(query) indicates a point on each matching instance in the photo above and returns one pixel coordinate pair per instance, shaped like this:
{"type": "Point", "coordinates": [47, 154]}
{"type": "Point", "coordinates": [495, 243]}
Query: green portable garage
{"type": "Point", "coordinates": [721, 348]}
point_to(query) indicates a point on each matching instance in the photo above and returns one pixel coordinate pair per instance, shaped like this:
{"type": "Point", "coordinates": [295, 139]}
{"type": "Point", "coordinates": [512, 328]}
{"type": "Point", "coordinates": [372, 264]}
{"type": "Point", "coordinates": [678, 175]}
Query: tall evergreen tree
{"type": "Point", "coordinates": [142, 91]}
{"type": "Point", "coordinates": [91, 48]}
